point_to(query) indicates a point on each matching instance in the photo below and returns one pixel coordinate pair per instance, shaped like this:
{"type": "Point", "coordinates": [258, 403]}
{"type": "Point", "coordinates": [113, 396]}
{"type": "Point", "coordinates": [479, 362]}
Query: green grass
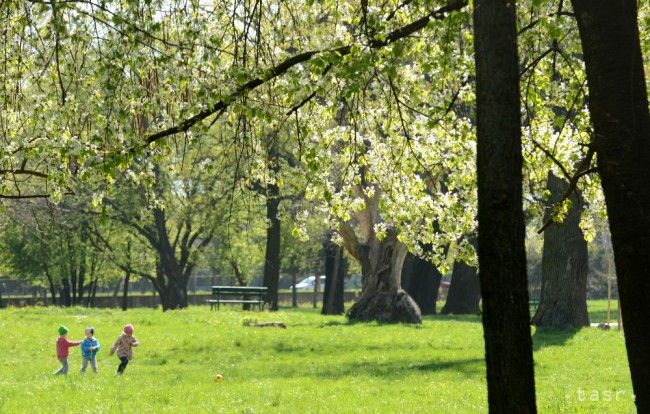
{"type": "Point", "coordinates": [318, 364]}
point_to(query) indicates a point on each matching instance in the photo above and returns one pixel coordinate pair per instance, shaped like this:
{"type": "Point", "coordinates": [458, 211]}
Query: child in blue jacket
{"type": "Point", "coordinates": [89, 348]}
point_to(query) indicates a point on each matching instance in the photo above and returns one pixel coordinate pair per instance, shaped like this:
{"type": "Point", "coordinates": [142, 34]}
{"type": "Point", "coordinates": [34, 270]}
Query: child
{"type": "Point", "coordinates": [123, 346]}
{"type": "Point", "coordinates": [89, 348]}
{"type": "Point", "coordinates": [62, 345]}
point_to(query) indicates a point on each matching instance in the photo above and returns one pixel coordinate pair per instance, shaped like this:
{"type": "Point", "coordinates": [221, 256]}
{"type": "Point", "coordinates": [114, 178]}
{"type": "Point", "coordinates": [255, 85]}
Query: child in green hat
{"type": "Point", "coordinates": [62, 345]}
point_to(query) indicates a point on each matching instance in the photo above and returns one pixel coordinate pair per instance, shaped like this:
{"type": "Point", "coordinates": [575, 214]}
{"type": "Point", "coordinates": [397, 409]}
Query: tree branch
{"type": "Point", "coordinates": [582, 169]}
{"type": "Point", "coordinates": [350, 240]}
{"type": "Point", "coordinates": [24, 171]}
{"type": "Point", "coordinates": [283, 67]}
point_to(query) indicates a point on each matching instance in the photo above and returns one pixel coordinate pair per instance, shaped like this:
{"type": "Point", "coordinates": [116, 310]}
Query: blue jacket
{"type": "Point", "coordinates": [85, 347]}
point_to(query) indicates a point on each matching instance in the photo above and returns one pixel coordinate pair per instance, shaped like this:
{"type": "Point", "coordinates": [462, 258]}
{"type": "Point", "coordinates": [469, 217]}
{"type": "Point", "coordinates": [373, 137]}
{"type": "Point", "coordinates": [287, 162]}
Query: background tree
{"type": "Point", "coordinates": [563, 299]}
{"type": "Point", "coordinates": [464, 292]}
{"type": "Point", "coordinates": [421, 280]}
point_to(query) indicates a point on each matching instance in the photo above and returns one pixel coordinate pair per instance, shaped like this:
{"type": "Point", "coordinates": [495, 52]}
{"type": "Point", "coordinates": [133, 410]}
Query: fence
{"type": "Point", "coordinates": [149, 301]}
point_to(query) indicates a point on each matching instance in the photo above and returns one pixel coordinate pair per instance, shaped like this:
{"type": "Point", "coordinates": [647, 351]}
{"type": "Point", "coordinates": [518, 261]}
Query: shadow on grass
{"type": "Point", "coordinates": [436, 317]}
{"type": "Point", "coordinates": [545, 337]}
{"type": "Point", "coordinates": [370, 324]}
{"type": "Point", "coordinates": [473, 318]}
{"type": "Point", "coordinates": [469, 367]}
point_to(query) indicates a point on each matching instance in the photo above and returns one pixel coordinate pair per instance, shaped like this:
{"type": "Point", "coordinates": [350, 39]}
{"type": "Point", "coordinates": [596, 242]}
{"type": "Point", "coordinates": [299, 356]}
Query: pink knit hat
{"type": "Point", "coordinates": [128, 328]}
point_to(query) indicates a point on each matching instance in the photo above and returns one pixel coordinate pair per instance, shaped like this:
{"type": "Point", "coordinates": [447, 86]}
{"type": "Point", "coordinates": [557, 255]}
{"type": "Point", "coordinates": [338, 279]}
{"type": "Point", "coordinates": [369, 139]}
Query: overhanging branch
{"type": "Point", "coordinates": [584, 168]}
{"type": "Point", "coordinates": [283, 67]}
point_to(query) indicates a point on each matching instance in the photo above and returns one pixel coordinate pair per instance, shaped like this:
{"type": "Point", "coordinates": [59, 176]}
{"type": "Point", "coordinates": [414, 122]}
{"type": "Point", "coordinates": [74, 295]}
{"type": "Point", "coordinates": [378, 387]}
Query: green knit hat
{"type": "Point", "coordinates": [63, 330]}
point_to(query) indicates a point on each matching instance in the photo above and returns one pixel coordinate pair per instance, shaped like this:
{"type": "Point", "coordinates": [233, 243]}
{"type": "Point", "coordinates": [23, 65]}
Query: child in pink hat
{"type": "Point", "coordinates": [124, 347]}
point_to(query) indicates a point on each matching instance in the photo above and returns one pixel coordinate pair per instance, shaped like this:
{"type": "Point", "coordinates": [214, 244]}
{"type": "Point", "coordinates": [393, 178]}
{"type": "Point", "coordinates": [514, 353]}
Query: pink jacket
{"type": "Point", "coordinates": [124, 345]}
{"type": "Point", "coordinates": [62, 345]}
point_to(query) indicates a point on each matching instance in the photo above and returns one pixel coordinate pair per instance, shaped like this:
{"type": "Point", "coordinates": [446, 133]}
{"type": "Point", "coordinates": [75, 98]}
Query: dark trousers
{"type": "Point", "coordinates": [124, 361]}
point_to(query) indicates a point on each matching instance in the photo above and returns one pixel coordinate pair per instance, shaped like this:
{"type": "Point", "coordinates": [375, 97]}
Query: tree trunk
{"type": "Point", "coordinates": [50, 283]}
{"type": "Point", "coordinates": [81, 274]}
{"type": "Point", "coordinates": [382, 299]}
{"type": "Point", "coordinates": [241, 281]}
{"type": "Point", "coordinates": [464, 293]}
{"type": "Point", "coordinates": [272, 255]}
{"type": "Point", "coordinates": [72, 286]}
{"type": "Point", "coordinates": [421, 280]}
{"type": "Point", "coordinates": [501, 252]}
{"type": "Point", "coordinates": [563, 298]}
{"type": "Point", "coordinates": [173, 286]}
{"type": "Point", "coordinates": [618, 103]}
{"type": "Point", "coordinates": [294, 292]}
{"type": "Point", "coordinates": [116, 292]}
{"type": "Point", "coordinates": [170, 289]}
{"type": "Point", "coordinates": [125, 290]}
{"type": "Point", "coordinates": [93, 293]}
{"type": "Point", "coordinates": [335, 270]}
{"type": "Point", "coordinates": [66, 300]}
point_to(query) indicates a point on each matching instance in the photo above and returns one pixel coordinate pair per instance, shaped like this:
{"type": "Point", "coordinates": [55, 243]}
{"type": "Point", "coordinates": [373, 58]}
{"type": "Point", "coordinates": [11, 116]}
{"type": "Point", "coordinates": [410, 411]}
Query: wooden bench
{"type": "Point", "coordinates": [240, 294]}
{"type": "Point", "coordinates": [532, 305]}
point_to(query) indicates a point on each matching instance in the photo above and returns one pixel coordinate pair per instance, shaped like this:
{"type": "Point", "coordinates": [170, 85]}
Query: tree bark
{"type": "Point", "coordinates": [563, 297]}
{"type": "Point", "coordinates": [382, 298]}
{"type": "Point", "coordinates": [272, 255]}
{"type": "Point", "coordinates": [501, 248]}
{"type": "Point", "coordinates": [618, 103]}
{"type": "Point", "coordinates": [421, 280]}
{"type": "Point", "coordinates": [335, 271]}
{"type": "Point", "coordinates": [464, 294]}
{"type": "Point", "coordinates": [172, 273]}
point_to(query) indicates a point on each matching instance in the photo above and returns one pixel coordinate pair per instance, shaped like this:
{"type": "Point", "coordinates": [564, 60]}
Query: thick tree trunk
{"type": "Point", "coordinates": [172, 282]}
{"type": "Point", "coordinates": [501, 252]}
{"type": "Point", "coordinates": [382, 298]}
{"type": "Point", "coordinates": [618, 102]}
{"type": "Point", "coordinates": [563, 298]}
{"type": "Point", "coordinates": [335, 270]}
{"type": "Point", "coordinates": [272, 255]}
{"type": "Point", "coordinates": [173, 294]}
{"type": "Point", "coordinates": [421, 280]}
{"type": "Point", "coordinates": [464, 294]}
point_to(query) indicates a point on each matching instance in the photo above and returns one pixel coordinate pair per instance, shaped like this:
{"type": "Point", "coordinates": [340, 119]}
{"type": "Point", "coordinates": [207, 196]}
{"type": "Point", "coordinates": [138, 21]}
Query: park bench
{"type": "Point", "coordinates": [532, 305]}
{"type": "Point", "coordinates": [238, 294]}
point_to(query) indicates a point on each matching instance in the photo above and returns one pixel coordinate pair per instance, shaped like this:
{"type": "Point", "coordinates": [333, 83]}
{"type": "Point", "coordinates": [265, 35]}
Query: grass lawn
{"type": "Point", "coordinates": [318, 364]}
